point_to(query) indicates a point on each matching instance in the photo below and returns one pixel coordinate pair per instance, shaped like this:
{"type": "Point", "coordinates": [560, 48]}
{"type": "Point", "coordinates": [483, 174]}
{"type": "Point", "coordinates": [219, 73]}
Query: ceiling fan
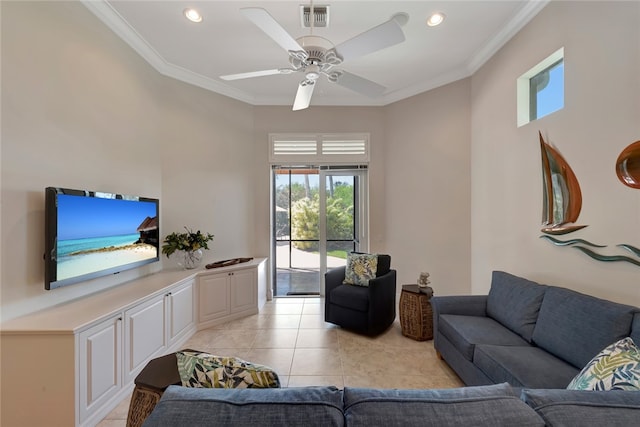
{"type": "Point", "coordinates": [315, 56]}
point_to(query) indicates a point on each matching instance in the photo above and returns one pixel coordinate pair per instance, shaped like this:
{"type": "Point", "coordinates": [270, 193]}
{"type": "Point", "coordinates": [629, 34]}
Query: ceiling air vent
{"type": "Point", "coordinates": [320, 16]}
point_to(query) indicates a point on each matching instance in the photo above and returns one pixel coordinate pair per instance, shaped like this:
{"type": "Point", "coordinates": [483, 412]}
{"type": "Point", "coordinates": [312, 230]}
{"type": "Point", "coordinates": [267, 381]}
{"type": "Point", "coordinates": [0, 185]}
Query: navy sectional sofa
{"type": "Point", "coordinates": [491, 406]}
{"type": "Point", "coordinates": [527, 334]}
{"type": "Point", "coordinates": [517, 349]}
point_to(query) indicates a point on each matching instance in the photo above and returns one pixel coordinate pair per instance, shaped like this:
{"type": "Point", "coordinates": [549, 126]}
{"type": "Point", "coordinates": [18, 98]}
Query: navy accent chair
{"type": "Point", "coordinates": [368, 310]}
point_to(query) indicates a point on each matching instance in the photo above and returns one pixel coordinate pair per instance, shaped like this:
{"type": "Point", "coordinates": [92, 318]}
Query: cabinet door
{"type": "Point", "coordinates": [213, 297]}
{"type": "Point", "coordinates": [181, 313]}
{"type": "Point", "coordinates": [100, 364]}
{"type": "Point", "coordinates": [145, 335]}
{"type": "Point", "coordinates": [243, 290]}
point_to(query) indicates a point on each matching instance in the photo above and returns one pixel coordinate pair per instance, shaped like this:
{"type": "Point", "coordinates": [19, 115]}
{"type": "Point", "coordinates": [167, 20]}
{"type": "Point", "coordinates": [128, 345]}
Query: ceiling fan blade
{"type": "Point", "coordinates": [256, 74]}
{"type": "Point", "coordinates": [263, 20]}
{"type": "Point", "coordinates": [303, 96]}
{"type": "Point", "coordinates": [377, 38]}
{"type": "Point", "coordinates": [357, 84]}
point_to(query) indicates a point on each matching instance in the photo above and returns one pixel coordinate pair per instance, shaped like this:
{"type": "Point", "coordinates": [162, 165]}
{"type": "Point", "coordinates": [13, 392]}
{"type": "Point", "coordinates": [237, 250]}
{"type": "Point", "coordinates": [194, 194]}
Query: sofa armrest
{"type": "Point", "coordinates": [382, 302]}
{"type": "Point", "coordinates": [466, 305]}
{"type": "Point", "coordinates": [382, 290]}
{"type": "Point", "coordinates": [332, 279]}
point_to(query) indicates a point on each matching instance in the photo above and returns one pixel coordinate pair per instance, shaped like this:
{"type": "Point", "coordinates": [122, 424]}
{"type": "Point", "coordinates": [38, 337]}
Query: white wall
{"type": "Point", "coordinates": [455, 185]}
{"type": "Point", "coordinates": [427, 187]}
{"type": "Point", "coordinates": [601, 117]}
{"type": "Point", "coordinates": [208, 179]}
{"type": "Point", "coordinates": [81, 110]}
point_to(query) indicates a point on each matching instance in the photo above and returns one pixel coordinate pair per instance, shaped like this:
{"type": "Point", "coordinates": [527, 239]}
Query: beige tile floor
{"type": "Point", "coordinates": [291, 336]}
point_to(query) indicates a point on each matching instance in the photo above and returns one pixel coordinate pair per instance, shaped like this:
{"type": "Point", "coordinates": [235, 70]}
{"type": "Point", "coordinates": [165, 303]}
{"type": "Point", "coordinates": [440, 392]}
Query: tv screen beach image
{"type": "Point", "coordinates": [96, 234]}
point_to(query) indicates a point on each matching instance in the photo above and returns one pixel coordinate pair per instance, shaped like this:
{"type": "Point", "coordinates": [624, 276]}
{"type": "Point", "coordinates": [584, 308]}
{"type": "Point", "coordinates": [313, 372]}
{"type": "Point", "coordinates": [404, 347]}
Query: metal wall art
{"type": "Point", "coordinates": [562, 200]}
{"type": "Point", "coordinates": [628, 166]}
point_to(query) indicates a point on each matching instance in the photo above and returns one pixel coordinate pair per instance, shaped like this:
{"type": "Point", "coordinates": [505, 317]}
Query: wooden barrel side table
{"type": "Point", "coordinates": [416, 314]}
{"type": "Point", "coordinates": [151, 383]}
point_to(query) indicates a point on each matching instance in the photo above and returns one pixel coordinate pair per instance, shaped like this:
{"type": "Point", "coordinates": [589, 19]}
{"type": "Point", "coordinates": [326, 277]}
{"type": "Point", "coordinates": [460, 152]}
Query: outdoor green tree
{"type": "Point", "coordinates": [339, 222]}
{"type": "Point", "coordinates": [304, 223]}
{"type": "Point", "coordinates": [297, 190]}
{"type": "Point", "coordinates": [305, 220]}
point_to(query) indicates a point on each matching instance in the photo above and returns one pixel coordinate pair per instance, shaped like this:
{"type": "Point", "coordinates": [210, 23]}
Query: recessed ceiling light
{"type": "Point", "coordinates": [193, 15]}
{"type": "Point", "coordinates": [435, 19]}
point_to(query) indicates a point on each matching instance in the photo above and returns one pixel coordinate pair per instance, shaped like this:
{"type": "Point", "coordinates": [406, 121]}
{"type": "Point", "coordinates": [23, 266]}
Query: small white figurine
{"type": "Point", "coordinates": [423, 285]}
{"type": "Point", "coordinates": [423, 280]}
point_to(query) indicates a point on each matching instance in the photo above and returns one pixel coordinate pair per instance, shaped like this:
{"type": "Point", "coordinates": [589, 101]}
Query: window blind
{"type": "Point", "coordinates": [319, 148]}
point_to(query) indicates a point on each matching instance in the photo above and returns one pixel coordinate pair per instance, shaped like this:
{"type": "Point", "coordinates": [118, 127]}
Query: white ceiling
{"type": "Point", "coordinates": [226, 42]}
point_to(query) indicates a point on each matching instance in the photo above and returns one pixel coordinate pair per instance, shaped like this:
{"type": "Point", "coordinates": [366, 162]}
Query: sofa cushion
{"type": "Point", "coordinates": [585, 408]}
{"type": "Point", "coordinates": [523, 366]}
{"type": "Point", "coordinates": [351, 297]}
{"type": "Point", "coordinates": [575, 327]}
{"type": "Point", "coordinates": [617, 367]}
{"type": "Point", "coordinates": [465, 332]}
{"type": "Point", "coordinates": [195, 407]}
{"type": "Point", "coordinates": [495, 405]}
{"type": "Point", "coordinates": [206, 370]}
{"type": "Point", "coordinates": [515, 302]}
{"type": "Point", "coordinates": [360, 269]}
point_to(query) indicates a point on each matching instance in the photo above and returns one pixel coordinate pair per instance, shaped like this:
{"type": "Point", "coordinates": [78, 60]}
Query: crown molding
{"type": "Point", "coordinates": [519, 20]}
{"type": "Point", "coordinates": [444, 79]}
{"type": "Point", "coordinates": [110, 17]}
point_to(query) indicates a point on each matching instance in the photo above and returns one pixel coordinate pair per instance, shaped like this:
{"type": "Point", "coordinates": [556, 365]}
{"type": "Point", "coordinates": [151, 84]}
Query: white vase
{"type": "Point", "coordinates": [191, 259]}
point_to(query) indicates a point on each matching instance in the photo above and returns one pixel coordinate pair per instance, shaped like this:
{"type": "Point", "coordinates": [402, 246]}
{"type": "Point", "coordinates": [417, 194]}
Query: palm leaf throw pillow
{"type": "Point", "coordinates": [360, 269]}
{"type": "Point", "coordinates": [206, 370]}
{"type": "Point", "coordinates": [617, 367]}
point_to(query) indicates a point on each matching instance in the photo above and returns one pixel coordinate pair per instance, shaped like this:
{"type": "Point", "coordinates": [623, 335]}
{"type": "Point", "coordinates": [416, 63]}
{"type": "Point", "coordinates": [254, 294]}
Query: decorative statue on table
{"type": "Point", "coordinates": [423, 284]}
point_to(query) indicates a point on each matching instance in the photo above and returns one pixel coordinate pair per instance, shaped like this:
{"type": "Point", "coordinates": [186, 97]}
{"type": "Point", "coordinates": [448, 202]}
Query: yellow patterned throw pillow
{"type": "Point", "coordinates": [617, 367]}
{"type": "Point", "coordinates": [206, 370]}
{"type": "Point", "coordinates": [360, 269]}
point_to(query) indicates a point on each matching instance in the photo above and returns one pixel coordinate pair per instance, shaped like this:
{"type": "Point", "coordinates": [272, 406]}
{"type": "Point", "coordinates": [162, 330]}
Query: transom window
{"type": "Point", "coordinates": [348, 148]}
{"type": "Point", "coordinates": [541, 89]}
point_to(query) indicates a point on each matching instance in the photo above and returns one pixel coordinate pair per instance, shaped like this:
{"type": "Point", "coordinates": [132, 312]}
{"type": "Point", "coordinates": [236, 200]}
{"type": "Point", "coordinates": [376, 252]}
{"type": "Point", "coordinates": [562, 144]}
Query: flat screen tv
{"type": "Point", "coordinates": [89, 234]}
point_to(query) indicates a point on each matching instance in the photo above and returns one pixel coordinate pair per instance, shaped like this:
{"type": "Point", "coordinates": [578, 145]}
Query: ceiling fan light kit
{"type": "Point", "coordinates": [315, 56]}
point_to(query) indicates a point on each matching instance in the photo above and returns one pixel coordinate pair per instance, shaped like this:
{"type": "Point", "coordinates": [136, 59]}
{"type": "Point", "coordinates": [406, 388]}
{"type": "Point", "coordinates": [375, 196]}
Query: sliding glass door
{"type": "Point", "coordinates": [296, 231]}
{"type": "Point", "coordinates": [319, 215]}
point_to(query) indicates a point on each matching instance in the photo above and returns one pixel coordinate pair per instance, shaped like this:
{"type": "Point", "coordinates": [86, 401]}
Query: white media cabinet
{"type": "Point", "coordinates": [70, 365]}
